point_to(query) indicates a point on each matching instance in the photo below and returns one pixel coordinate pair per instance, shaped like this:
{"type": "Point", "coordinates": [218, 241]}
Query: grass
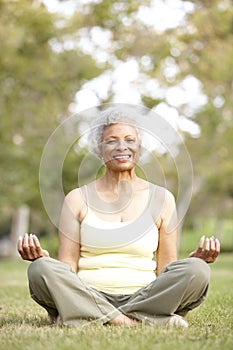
{"type": "Point", "coordinates": [24, 325]}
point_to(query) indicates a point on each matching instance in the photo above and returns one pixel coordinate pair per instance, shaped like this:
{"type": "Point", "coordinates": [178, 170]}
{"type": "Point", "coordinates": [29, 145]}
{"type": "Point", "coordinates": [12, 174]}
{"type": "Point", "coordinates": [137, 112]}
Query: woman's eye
{"type": "Point", "coordinates": [130, 140]}
{"type": "Point", "coordinates": [110, 142]}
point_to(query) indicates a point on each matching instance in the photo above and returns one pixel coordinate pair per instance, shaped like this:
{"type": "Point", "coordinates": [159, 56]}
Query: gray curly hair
{"type": "Point", "coordinates": [108, 117]}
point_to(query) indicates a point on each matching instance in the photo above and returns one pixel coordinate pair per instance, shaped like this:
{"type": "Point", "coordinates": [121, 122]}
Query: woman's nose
{"type": "Point", "coordinates": [121, 145]}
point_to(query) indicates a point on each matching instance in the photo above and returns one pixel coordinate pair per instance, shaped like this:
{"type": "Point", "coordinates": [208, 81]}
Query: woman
{"type": "Point", "coordinates": [117, 260]}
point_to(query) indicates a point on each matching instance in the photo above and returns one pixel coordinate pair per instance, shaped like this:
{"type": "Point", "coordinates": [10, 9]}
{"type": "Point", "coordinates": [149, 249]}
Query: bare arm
{"type": "Point", "coordinates": [208, 248]}
{"type": "Point", "coordinates": [168, 234]}
{"type": "Point", "coordinates": [29, 246]}
{"type": "Point", "coordinates": [69, 230]}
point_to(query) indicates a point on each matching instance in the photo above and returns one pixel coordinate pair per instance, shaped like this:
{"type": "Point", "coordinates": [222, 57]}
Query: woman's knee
{"type": "Point", "coordinates": [198, 268]}
{"type": "Point", "coordinates": [38, 268]}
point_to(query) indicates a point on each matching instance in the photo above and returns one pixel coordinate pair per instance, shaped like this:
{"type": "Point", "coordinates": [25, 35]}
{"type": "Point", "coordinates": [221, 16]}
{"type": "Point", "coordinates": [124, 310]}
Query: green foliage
{"type": "Point", "coordinates": [110, 14]}
{"type": "Point", "coordinates": [40, 74]}
{"type": "Point", "coordinates": [206, 52]}
{"type": "Point", "coordinates": [37, 84]}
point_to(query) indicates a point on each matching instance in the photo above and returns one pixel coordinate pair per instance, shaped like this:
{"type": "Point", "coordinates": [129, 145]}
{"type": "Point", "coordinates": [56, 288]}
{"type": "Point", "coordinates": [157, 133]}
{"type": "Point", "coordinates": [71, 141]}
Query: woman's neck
{"type": "Point", "coordinates": [114, 192]}
{"type": "Point", "coordinates": [112, 180]}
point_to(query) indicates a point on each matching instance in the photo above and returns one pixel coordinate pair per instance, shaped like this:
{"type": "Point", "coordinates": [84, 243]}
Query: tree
{"type": "Point", "coordinates": [200, 47]}
{"type": "Point", "coordinates": [207, 51]}
{"type": "Point", "coordinates": [45, 60]}
{"type": "Point", "coordinates": [37, 84]}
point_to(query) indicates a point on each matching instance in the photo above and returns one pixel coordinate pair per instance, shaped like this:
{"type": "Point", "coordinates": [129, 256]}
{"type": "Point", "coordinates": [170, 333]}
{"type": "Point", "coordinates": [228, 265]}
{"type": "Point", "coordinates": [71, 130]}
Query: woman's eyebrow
{"type": "Point", "coordinates": [116, 137]}
{"type": "Point", "coordinates": [111, 137]}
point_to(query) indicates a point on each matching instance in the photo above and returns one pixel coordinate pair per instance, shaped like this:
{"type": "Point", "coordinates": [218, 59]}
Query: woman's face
{"type": "Point", "coordinates": [120, 146]}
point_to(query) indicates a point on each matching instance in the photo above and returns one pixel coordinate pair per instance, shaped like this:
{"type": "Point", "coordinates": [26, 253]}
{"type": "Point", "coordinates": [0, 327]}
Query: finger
{"type": "Point", "coordinates": [201, 244]}
{"type": "Point", "coordinates": [37, 246]}
{"type": "Point", "coordinates": [26, 247]}
{"type": "Point", "coordinates": [20, 248]}
{"type": "Point", "coordinates": [32, 247]}
{"type": "Point", "coordinates": [207, 244]}
{"type": "Point", "coordinates": [25, 241]}
{"type": "Point", "coordinates": [45, 253]}
{"type": "Point", "coordinates": [217, 245]}
{"type": "Point", "coordinates": [212, 245]}
{"type": "Point", "coordinates": [217, 248]}
{"type": "Point", "coordinates": [36, 241]}
{"type": "Point", "coordinates": [19, 244]}
{"type": "Point", "coordinates": [30, 241]}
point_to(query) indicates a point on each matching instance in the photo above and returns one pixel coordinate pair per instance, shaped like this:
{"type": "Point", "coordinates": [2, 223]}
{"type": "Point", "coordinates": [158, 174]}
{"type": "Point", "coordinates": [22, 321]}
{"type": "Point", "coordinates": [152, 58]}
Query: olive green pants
{"type": "Point", "coordinates": [180, 287]}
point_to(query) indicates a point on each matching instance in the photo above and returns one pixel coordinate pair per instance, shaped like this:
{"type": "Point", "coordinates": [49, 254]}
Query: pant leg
{"type": "Point", "coordinates": [180, 287]}
{"type": "Point", "coordinates": [56, 287]}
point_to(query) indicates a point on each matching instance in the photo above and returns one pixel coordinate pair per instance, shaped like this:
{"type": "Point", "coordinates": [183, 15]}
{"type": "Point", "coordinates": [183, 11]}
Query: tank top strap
{"type": "Point", "coordinates": [152, 190]}
{"type": "Point", "coordinates": [84, 192]}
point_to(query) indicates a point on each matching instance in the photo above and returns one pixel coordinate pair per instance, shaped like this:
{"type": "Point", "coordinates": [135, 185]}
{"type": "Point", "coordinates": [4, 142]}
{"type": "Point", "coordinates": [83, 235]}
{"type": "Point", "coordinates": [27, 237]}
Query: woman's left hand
{"type": "Point", "coordinates": [208, 249]}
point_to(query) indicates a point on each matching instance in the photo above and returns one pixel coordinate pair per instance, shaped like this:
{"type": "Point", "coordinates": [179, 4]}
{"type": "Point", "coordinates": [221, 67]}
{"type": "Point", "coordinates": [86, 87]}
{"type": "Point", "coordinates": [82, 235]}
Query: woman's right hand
{"type": "Point", "coordinates": [29, 248]}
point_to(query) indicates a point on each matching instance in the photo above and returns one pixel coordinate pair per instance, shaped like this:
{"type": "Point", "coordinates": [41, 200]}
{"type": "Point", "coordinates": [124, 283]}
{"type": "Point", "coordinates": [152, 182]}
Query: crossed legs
{"type": "Point", "coordinates": [180, 287]}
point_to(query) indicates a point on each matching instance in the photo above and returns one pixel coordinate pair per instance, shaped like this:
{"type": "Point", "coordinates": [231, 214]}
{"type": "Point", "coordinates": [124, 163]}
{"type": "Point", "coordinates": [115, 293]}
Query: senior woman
{"type": "Point", "coordinates": [117, 260]}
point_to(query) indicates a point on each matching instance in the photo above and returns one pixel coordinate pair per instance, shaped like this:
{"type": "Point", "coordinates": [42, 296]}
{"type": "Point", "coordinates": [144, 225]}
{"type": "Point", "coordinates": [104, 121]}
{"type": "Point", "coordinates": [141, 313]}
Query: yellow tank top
{"type": "Point", "coordinates": [118, 257]}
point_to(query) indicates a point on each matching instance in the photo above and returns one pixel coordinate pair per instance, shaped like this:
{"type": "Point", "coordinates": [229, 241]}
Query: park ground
{"type": "Point", "coordinates": [24, 325]}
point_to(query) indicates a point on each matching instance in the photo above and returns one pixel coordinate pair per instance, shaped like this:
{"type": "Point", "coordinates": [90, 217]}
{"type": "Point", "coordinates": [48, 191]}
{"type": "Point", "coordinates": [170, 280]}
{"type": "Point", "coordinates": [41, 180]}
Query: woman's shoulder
{"type": "Point", "coordinates": [76, 195]}
{"type": "Point", "coordinates": [160, 194]}
{"type": "Point", "coordinates": [161, 190]}
{"type": "Point", "coordinates": [75, 199]}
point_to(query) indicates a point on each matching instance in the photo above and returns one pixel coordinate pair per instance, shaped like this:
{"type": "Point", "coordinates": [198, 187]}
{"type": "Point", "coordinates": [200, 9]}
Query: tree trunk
{"type": "Point", "coordinates": [20, 225]}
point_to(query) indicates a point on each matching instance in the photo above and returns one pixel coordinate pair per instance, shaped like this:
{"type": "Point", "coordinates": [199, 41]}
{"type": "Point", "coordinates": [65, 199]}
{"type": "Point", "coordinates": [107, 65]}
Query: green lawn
{"type": "Point", "coordinates": [24, 325]}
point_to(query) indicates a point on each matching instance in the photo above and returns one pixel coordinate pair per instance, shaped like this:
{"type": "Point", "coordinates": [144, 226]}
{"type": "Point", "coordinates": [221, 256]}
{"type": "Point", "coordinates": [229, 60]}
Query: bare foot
{"type": "Point", "coordinates": [123, 320]}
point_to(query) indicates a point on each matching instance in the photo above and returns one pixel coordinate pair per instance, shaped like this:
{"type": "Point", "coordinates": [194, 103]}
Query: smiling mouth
{"type": "Point", "coordinates": [122, 157]}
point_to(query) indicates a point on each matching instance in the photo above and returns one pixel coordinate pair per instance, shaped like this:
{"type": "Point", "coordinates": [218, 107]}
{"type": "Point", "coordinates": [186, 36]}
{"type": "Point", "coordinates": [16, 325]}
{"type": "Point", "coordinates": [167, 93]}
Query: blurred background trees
{"type": "Point", "coordinates": [37, 85]}
{"type": "Point", "coordinates": [49, 57]}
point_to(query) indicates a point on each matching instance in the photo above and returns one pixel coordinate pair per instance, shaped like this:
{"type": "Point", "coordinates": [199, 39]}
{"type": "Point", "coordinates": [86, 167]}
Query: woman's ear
{"type": "Point", "coordinates": [140, 147]}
